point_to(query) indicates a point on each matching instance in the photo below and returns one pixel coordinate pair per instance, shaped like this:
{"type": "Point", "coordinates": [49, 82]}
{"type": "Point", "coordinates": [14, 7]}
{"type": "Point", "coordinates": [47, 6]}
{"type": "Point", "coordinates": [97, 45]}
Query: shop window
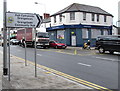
{"type": "Point", "coordinates": [105, 32]}
{"type": "Point", "coordinates": [60, 34]}
{"type": "Point", "coordinates": [95, 33]}
{"type": "Point", "coordinates": [84, 33]}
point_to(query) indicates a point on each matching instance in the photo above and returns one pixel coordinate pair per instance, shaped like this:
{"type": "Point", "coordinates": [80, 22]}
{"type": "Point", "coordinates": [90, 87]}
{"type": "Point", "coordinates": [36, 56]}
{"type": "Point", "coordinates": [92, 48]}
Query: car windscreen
{"type": "Point", "coordinates": [42, 35]}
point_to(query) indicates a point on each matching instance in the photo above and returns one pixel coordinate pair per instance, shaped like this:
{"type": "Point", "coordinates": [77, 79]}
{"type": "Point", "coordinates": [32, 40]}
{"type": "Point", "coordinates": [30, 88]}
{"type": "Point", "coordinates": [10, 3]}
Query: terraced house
{"type": "Point", "coordinates": [78, 23]}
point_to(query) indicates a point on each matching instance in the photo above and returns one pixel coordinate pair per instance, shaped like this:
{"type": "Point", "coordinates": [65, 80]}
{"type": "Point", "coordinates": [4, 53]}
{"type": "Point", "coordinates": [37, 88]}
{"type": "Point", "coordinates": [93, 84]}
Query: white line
{"type": "Point", "coordinates": [85, 64]}
{"type": "Point", "coordinates": [39, 54]}
{"type": "Point", "coordinates": [19, 50]}
{"type": "Point", "coordinates": [106, 58]}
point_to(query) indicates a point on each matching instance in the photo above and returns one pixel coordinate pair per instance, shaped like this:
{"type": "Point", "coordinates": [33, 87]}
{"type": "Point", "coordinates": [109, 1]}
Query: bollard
{"type": "Point", "coordinates": [75, 52]}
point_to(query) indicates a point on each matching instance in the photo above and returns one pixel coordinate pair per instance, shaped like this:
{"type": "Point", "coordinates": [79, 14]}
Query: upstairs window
{"type": "Point", "coordinates": [60, 17]}
{"type": "Point", "coordinates": [84, 16]}
{"type": "Point", "coordinates": [72, 15]}
{"type": "Point", "coordinates": [105, 18]}
{"type": "Point", "coordinates": [54, 19]}
{"type": "Point", "coordinates": [93, 17]}
{"type": "Point", "coordinates": [97, 18]}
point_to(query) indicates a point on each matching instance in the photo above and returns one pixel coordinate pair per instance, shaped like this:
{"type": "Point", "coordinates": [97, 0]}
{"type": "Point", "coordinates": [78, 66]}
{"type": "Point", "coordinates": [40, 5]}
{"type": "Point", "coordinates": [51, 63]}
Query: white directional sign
{"type": "Point", "coordinates": [22, 20]}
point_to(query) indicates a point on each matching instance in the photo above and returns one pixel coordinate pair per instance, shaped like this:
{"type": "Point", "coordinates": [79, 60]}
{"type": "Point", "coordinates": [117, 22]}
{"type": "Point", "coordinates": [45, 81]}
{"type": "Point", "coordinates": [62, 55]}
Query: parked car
{"type": "Point", "coordinates": [56, 44]}
{"type": "Point", "coordinates": [109, 43]}
{"type": "Point", "coordinates": [14, 42]}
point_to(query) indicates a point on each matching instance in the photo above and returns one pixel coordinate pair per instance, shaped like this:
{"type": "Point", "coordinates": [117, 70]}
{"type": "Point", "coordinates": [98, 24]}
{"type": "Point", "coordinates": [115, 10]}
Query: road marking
{"type": "Point", "coordinates": [39, 54]}
{"type": "Point", "coordinates": [78, 80]}
{"type": "Point", "coordinates": [85, 64]}
{"type": "Point", "coordinates": [19, 50]}
{"type": "Point", "coordinates": [106, 58]}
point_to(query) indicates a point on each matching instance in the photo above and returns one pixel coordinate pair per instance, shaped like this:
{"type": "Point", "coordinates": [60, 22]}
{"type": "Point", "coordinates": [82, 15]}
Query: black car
{"type": "Point", "coordinates": [109, 43]}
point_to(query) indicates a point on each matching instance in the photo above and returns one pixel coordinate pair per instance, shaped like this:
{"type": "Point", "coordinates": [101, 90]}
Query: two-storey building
{"type": "Point", "coordinates": [77, 23]}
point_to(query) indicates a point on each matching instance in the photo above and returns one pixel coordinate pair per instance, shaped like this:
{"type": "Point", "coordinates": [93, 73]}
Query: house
{"type": "Point", "coordinates": [77, 23]}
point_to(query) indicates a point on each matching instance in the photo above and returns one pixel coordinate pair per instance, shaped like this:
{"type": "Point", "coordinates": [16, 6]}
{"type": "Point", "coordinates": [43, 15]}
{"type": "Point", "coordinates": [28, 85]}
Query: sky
{"type": "Point", "coordinates": [53, 6]}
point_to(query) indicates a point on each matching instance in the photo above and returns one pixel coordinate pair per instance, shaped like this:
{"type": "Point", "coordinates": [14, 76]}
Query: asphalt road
{"type": "Point", "coordinates": [101, 69]}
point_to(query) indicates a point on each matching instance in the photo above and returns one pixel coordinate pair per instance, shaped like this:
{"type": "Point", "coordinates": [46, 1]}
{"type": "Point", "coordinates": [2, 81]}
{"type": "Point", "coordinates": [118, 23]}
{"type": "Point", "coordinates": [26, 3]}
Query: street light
{"type": "Point", "coordinates": [41, 4]}
{"type": "Point", "coordinates": [44, 12]}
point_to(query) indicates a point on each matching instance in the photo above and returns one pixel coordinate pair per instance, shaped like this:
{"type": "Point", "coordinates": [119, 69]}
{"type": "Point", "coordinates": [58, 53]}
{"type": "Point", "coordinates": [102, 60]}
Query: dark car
{"type": "Point", "coordinates": [56, 44]}
{"type": "Point", "coordinates": [109, 43]}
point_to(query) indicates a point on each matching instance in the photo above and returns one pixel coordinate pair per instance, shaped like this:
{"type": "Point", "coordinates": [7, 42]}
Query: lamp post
{"type": "Point", "coordinates": [42, 4]}
{"type": "Point", "coordinates": [5, 69]}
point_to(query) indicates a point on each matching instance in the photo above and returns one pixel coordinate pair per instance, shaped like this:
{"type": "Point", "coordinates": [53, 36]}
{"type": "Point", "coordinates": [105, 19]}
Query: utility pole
{"type": "Point", "coordinates": [5, 69]}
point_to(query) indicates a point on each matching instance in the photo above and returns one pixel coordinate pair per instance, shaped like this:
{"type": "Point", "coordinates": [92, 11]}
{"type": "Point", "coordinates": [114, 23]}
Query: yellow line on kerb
{"type": "Point", "coordinates": [89, 84]}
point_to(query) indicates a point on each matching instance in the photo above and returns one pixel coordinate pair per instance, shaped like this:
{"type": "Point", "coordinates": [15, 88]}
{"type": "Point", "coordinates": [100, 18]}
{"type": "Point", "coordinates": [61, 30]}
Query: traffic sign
{"type": "Point", "coordinates": [22, 20]}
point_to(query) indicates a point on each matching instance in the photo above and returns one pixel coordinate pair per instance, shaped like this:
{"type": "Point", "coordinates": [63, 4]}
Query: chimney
{"type": "Point", "coordinates": [46, 15]}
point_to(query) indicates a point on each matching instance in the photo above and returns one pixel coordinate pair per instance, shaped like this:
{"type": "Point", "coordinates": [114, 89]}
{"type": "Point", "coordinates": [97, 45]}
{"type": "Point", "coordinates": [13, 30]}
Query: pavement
{"type": "Point", "coordinates": [23, 77]}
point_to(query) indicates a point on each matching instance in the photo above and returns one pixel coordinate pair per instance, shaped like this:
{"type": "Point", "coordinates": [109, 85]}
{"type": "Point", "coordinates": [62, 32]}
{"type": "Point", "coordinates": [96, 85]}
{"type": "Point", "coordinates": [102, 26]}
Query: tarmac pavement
{"type": "Point", "coordinates": [23, 77]}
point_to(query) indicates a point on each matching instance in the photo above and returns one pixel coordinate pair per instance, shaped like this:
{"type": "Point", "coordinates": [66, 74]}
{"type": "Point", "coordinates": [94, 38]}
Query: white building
{"type": "Point", "coordinates": [118, 14]}
{"type": "Point", "coordinates": [78, 23]}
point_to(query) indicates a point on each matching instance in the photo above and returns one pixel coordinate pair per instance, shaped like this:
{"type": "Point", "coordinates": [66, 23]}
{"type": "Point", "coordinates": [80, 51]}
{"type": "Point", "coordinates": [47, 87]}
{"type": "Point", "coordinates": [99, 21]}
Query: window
{"type": "Point", "coordinates": [54, 19]}
{"type": "Point", "coordinates": [97, 18]}
{"type": "Point", "coordinates": [84, 33]}
{"type": "Point", "coordinates": [105, 18]}
{"type": "Point", "coordinates": [95, 33]}
{"type": "Point", "coordinates": [105, 32]}
{"type": "Point", "coordinates": [72, 15]}
{"type": "Point", "coordinates": [93, 17]}
{"type": "Point", "coordinates": [84, 16]}
{"type": "Point", "coordinates": [60, 18]}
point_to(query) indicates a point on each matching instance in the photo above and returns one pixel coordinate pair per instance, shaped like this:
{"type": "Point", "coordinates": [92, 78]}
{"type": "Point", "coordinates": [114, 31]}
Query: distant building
{"type": "Point", "coordinates": [78, 23]}
{"type": "Point", "coordinates": [114, 30]}
{"type": "Point", "coordinates": [118, 14]}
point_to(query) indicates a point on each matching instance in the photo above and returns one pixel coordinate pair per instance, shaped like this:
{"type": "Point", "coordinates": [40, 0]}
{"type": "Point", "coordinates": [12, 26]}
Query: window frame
{"type": "Point", "coordinates": [98, 17]}
{"type": "Point", "coordinates": [84, 15]}
{"type": "Point", "coordinates": [105, 18]}
{"type": "Point", "coordinates": [54, 19]}
{"type": "Point", "coordinates": [93, 17]}
{"type": "Point", "coordinates": [72, 15]}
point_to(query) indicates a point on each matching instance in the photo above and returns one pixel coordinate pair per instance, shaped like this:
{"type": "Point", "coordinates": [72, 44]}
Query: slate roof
{"type": "Point", "coordinates": [75, 7]}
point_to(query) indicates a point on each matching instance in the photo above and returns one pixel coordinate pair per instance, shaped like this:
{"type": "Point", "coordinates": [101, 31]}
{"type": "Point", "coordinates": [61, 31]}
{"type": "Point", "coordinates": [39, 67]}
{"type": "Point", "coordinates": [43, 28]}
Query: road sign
{"type": "Point", "coordinates": [22, 20]}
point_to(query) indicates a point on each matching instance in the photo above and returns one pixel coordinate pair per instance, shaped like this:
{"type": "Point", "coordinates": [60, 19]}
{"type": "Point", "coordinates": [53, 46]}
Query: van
{"type": "Point", "coordinates": [109, 43]}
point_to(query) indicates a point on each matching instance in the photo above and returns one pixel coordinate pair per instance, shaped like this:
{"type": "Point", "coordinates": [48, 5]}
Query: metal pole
{"type": "Point", "coordinates": [35, 54]}
{"type": "Point", "coordinates": [9, 53]}
{"type": "Point", "coordinates": [5, 69]}
{"type": "Point", "coordinates": [25, 50]}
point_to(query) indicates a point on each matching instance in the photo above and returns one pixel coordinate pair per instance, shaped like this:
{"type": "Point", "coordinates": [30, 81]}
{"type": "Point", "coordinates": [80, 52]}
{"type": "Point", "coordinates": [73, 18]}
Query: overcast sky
{"type": "Point", "coordinates": [53, 6]}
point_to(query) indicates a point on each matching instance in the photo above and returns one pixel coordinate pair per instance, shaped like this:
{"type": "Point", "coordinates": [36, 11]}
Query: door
{"type": "Point", "coordinates": [73, 40]}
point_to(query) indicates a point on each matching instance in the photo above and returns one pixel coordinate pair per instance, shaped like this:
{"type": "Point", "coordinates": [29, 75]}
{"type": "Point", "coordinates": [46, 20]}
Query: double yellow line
{"type": "Point", "coordinates": [80, 81]}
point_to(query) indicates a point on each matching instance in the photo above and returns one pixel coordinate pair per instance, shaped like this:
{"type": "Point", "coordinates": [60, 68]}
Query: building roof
{"type": "Point", "coordinates": [75, 7]}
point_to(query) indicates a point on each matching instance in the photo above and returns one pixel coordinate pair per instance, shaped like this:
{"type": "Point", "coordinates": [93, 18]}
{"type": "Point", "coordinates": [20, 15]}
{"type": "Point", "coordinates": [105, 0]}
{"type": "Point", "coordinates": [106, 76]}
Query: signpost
{"type": "Point", "coordinates": [18, 20]}
{"type": "Point", "coordinates": [22, 20]}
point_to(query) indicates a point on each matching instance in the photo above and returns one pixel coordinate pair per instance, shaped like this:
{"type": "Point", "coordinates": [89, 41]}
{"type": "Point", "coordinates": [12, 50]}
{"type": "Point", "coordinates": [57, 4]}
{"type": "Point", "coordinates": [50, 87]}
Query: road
{"type": "Point", "coordinates": [101, 69]}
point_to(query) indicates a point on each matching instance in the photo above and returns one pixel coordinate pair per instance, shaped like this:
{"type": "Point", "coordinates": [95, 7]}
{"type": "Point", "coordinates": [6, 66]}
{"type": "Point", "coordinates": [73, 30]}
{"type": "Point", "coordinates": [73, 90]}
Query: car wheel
{"type": "Point", "coordinates": [101, 50]}
{"type": "Point", "coordinates": [111, 52]}
{"type": "Point", "coordinates": [56, 47]}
